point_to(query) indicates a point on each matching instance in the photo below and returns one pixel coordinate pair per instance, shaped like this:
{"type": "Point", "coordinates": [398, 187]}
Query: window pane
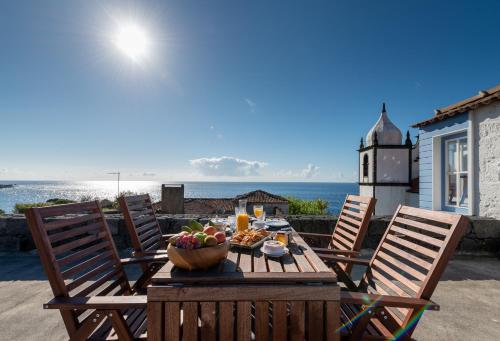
{"type": "Point", "coordinates": [452, 152]}
{"type": "Point", "coordinates": [452, 189]}
{"type": "Point", "coordinates": [463, 155]}
{"type": "Point", "coordinates": [464, 193]}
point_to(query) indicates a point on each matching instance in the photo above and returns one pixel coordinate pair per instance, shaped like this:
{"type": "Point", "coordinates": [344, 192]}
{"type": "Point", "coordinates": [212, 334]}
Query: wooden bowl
{"type": "Point", "coordinates": [202, 258]}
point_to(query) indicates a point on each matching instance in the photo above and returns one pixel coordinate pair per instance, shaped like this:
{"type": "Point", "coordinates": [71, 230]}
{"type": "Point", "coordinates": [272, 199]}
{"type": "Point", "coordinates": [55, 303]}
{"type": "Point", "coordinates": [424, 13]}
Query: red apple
{"type": "Point", "coordinates": [210, 230]}
{"type": "Point", "coordinates": [220, 236]}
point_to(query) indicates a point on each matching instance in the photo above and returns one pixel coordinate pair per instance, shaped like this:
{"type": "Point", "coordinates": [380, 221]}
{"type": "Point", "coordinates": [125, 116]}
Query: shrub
{"type": "Point", "coordinates": [2, 212]}
{"type": "Point", "coordinates": [312, 207]}
{"type": "Point", "coordinates": [20, 208]}
{"type": "Point", "coordinates": [86, 197]}
{"type": "Point", "coordinates": [58, 201]}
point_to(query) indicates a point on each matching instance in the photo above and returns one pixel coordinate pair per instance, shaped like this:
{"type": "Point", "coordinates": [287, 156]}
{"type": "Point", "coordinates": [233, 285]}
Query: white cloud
{"type": "Point", "coordinates": [220, 136]}
{"type": "Point", "coordinates": [310, 171]}
{"type": "Point", "coordinates": [251, 104]}
{"type": "Point", "coordinates": [212, 127]}
{"type": "Point", "coordinates": [3, 170]}
{"type": "Point", "coordinates": [227, 166]}
{"type": "Point", "coordinates": [148, 174]}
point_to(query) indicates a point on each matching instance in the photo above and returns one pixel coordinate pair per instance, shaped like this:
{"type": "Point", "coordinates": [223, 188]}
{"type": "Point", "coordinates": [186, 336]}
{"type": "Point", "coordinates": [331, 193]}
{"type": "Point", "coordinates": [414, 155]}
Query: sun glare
{"type": "Point", "coordinates": [133, 41]}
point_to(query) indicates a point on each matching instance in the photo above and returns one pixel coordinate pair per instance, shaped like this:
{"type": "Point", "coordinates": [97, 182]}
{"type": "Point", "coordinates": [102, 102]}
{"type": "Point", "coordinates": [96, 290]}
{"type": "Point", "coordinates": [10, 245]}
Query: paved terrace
{"type": "Point", "coordinates": [469, 295]}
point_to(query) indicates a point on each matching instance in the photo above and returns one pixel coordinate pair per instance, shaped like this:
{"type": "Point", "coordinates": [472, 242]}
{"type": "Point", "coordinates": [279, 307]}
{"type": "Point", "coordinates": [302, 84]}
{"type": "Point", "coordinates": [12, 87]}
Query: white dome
{"type": "Point", "coordinates": [387, 132]}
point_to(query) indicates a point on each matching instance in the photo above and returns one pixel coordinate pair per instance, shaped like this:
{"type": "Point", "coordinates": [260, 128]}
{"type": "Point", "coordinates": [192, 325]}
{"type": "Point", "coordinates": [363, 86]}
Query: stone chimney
{"type": "Point", "coordinates": [172, 198]}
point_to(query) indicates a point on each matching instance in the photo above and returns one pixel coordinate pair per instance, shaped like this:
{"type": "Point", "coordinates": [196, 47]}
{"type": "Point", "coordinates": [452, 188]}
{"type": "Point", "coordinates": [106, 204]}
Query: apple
{"type": "Point", "coordinates": [210, 241]}
{"type": "Point", "coordinates": [210, 230]}
{"type": "Point", "coordinates": [220, 236]}
{"type": "Point", "coordinates": [201, 237]}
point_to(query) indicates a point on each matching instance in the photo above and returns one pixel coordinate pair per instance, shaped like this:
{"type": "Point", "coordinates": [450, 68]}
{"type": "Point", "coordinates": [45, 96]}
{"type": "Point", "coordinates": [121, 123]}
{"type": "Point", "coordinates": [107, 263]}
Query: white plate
{"type": "Point", "coordinates": [285, 251]}
{"type": "Point", "coordinates": [277, 223]}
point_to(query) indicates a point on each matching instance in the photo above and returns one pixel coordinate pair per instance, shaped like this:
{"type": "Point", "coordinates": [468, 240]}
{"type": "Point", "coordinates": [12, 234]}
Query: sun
{"type": "Point", "coordinates": [133, 41]}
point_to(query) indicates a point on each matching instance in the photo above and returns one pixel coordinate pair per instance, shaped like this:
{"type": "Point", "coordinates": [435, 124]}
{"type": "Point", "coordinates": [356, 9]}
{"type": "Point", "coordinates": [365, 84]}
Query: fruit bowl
{"type": "Point", "coordinates": [194, 259]}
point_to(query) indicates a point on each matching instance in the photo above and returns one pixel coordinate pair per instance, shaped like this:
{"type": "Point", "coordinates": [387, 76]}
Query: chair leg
{"type": "Point", "coordinates": [120, 326]}
{"type": "Point", "coordinates": [88, 326]}
{"type": "Point", "coordinates": [359, 327]}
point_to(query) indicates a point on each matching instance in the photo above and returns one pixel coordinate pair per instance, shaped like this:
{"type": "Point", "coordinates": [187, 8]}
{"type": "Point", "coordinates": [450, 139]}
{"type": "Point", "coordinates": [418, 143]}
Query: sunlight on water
{"type": "Point", "coordinates": [41, 191]}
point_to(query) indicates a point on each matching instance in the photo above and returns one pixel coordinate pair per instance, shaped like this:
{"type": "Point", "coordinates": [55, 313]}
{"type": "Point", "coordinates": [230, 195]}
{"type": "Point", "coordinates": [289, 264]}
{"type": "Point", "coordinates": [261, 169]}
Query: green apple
{"type": "Point", "coordinates": [201, 236]}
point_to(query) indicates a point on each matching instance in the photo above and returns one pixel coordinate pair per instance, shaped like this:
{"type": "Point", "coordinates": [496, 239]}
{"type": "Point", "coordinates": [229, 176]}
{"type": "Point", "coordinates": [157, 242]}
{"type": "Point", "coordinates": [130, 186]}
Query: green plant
{"type": "Point", "coordinates": [302, 206]}
{"type": "Point", "coordinates": [20, 208]}
{"type": "Point", "coordinates": [2, 212]}
{"type": "Point", "coordinates": [58, 201]}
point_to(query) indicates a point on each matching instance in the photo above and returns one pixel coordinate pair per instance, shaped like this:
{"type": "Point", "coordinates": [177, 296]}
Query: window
{"type": "Point", "coordinates": [365, 166]}
{"type": "Point", "coordinates": [456, 175]}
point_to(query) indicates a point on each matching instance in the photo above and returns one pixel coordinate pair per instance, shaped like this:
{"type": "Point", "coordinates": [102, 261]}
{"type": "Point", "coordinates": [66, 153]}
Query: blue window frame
{"type": "Point", "coordinates": [455, 175]}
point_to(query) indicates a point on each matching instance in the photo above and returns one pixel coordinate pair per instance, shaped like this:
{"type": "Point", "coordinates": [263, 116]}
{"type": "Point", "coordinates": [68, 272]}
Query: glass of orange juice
{"type": "Point", "coordinates": [282, 237]}
{"type": "Point", "coordinates": [241, 220]}
{"type": "Point", "coordinates": [258, 211]}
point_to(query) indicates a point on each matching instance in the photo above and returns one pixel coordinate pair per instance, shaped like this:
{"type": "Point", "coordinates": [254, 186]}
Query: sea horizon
{"type": "Point", "coordinates": [29, 191]}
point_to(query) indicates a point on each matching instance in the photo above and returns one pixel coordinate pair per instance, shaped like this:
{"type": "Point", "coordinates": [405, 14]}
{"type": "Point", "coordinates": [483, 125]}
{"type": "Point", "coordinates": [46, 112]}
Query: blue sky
{"type": "Point", "coordinates": [229, 90]}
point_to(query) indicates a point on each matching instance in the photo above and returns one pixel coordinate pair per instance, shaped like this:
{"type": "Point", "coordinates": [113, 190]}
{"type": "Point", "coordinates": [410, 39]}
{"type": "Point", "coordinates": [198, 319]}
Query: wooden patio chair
{"type": "Point", "coordinates": [142, 225]}
{"type": "Point", "coordinates": [350, 230]}
{"type": "Point", "coordinates": [86, 275]}
{"type": "Point", "coordinates": [402, 274]}
{"type": "Point", "coordinates": [271, 312]}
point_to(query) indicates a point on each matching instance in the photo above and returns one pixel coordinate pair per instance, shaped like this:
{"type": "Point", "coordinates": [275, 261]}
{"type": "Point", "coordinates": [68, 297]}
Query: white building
{"type": "Point", "coordinates": [459, 157]}
{"type": "Point", "coordinates": [387, 166]}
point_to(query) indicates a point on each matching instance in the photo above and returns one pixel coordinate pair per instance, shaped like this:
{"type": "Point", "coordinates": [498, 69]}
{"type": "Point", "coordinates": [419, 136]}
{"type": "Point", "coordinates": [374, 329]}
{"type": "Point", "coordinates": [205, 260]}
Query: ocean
{"type": "Point", "coordinates": [41, 191]}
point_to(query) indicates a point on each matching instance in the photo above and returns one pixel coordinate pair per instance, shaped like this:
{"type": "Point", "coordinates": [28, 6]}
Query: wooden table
{"type": "Point", "coordinates": [250, 269]}
{"type": "Point", "coordinates": [242, 266]}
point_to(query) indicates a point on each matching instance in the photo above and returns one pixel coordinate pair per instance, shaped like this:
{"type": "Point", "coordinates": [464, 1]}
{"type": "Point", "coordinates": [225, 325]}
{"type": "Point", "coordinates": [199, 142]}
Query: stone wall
{"type": "Point", "coordinates": [487, 160]}
{"type": "Point", "coordinates": [482, 238]}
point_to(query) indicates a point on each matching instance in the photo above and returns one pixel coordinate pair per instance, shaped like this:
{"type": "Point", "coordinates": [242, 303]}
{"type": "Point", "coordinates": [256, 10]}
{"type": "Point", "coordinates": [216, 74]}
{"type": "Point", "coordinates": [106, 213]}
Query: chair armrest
{"type": "Point", "coordinates": [97, 302]}
{"type": "Point", "coordinates": [335, 251]}
{"type": "Point", "coordinates": [144, 259]}
{"type": "Point", "coordinates": [332, 258]}
{"type": "Point", "coordinates": [349, 297]}
{"type": "Point", "coordinates": [311, 234]}
{"type": "Point", "coordinates": [167, 236]}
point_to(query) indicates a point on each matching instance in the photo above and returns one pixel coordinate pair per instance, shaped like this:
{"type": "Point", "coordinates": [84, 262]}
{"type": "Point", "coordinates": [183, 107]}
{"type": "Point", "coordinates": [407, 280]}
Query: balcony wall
{"type": "Point", "coordinates": [482, 238]}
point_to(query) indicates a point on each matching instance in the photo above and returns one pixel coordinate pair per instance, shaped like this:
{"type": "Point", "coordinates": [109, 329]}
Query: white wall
{"type": "Point", "coordinates": [366, 191]}
{"type": "Point", "coordinates": [388, 199]}
{"type": "Point", "coordinates": [392, 165]}
{"type": "Point", "coordinates": [487, 160]}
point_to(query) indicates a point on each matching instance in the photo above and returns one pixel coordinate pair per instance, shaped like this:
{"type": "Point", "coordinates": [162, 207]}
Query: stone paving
{"type": "Point", "coordinates": [469, 296]}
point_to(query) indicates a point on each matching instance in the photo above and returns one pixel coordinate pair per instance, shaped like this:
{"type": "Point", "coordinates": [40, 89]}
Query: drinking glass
{"type": "Point", "coordinates": [241, 219]}
{"type": "Point", "coordinates": [243, 204]}
{"type": "Point", "coordinates": [258, 211]}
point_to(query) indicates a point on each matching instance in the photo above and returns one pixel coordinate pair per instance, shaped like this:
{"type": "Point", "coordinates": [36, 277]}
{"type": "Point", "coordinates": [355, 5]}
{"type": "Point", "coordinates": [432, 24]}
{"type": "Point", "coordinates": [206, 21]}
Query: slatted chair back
{"type": "Point", "coordinates": [410, 260]}
{"type": "Point", "coordinates": [78, 254]}
{"type": "Point", "coordinates": [352, 225]}
{"type": "Point", "coordinates": [143, 227]}
{"type": "Point", "coordinates": [238, 313]}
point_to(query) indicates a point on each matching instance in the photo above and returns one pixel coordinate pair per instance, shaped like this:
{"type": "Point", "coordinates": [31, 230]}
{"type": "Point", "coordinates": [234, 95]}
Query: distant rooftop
{"type": "Point", "coordinates": [226, 205]}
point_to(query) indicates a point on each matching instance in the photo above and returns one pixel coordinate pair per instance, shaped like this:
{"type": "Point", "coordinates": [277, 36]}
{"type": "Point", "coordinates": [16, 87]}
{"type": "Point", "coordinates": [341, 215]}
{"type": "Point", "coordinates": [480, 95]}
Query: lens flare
{"type": "Point", "coordinates": [399, 334]}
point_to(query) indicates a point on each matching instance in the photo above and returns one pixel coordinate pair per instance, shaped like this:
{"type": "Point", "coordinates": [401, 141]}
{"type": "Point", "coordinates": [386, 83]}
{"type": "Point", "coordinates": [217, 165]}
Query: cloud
{"type": "Point", "coordinates": [3, 170]}
{"type": "Point", "coordinates": [148, 174]}
{"type": "Point", "coordinates": [310, 171]}
{"type": "Point", "coordinates": [220, 136]}
{"type": "Point", "coordinates": [251, 104]}
{"type": "Point", "coordinates": [227, 166]}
